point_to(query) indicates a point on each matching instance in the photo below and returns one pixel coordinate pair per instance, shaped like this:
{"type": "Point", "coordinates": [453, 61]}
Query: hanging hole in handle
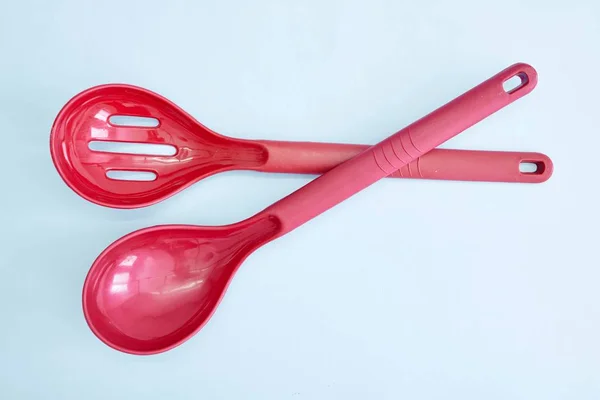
{"type": "Point", "coordinates": [133, 121]}
{"type": "Point", "coordinates": [532, 167]}
{"type": "Point", "coordinates": [515, 82]}
{"type": "Point", "coordinates": [125, 175]}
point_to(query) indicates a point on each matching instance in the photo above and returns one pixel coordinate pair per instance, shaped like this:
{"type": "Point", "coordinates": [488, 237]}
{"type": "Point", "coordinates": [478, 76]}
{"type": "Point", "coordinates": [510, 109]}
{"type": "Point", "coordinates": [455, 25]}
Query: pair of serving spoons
{"type": "Point", "coordinates": [154, 288]}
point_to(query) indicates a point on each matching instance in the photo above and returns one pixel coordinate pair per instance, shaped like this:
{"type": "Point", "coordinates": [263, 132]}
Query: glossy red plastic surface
{"type": "Point", "coordinates": [85, 118]}
{"type": "Point", "coordinates": [154, 288]}
{"type": "Point", "coordinates": [201, 152]}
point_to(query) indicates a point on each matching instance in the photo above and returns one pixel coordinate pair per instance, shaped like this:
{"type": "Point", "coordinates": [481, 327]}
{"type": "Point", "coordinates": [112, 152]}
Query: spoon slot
{"type": "Point", "coordinates": [124, 175]}
{"type": "Point", "coordinates": [150, 149]}
{"type": "Point", "coordinates": [133, 120]}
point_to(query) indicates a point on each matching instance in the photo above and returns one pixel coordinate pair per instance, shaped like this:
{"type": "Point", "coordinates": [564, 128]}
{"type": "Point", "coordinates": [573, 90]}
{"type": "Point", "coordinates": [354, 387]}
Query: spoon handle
{"type": "Point", "coordinates": [401, 148]}
{"type": "Point", "coordinates": [439, 164]}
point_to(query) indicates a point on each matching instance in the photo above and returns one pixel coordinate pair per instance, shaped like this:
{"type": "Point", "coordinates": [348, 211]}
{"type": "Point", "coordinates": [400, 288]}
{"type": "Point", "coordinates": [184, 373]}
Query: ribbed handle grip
{"type": "Point", "coordinates": [395, 152]}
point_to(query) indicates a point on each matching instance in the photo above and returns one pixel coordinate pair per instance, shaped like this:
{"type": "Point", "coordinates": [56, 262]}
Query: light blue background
{"type": "Point", "coordinates": [410, 289]}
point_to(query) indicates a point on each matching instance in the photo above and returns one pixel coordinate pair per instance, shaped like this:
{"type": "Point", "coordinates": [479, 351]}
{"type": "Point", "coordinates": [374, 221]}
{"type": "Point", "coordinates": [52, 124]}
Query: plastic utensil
{"type": "Point", "coordinates": [199, 152]}
{"type": "Point", "coordinates": [154, 288]}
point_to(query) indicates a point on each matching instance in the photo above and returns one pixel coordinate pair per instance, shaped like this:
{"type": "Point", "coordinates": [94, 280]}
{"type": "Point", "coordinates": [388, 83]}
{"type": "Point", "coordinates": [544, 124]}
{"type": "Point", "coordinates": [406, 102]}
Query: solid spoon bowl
{"type": "Point", "coordinates": [154, 288]}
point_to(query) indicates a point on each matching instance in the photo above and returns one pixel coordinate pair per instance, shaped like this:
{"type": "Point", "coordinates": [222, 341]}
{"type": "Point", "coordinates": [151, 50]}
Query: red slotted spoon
{"type": "Point", "coordinates": [199, 152]}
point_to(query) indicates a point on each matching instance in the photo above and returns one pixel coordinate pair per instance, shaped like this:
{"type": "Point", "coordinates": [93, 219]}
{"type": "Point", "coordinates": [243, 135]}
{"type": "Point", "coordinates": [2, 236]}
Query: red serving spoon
{"type": "Point", "coordinates": [92, 118]}
{"type": "Point", "coordinates": [153, 289]}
